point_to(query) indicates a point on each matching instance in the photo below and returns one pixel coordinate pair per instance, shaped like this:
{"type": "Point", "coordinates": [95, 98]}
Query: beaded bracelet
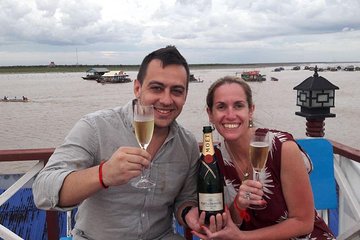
{"type": "Point", "coordinates": [242, 212]}
{"type": "Point", "coordinates": [101, 175]}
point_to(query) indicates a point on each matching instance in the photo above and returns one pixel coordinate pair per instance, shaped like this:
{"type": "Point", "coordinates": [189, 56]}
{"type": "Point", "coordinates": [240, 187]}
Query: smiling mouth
{"type": "Point", "coordinates": [164, 111]}
{"type": "Point", "coordinates": [231, 125]}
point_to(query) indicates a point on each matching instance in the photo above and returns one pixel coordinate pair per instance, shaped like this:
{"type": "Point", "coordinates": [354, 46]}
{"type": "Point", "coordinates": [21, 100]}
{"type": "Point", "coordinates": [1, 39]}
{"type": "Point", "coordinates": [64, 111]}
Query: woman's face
{"type": "Point", "coordinates": [230, 113]}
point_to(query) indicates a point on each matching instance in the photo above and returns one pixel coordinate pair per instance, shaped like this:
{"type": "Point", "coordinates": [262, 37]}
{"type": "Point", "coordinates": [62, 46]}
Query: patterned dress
{"type": "Point", "coordinates": [276, 210]}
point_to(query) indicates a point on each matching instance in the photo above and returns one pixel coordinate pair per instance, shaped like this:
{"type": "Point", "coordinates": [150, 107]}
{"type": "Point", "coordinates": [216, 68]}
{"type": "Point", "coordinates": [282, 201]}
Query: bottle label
{"type": "Point", "coordinates": [211, 201]}
{"type": "Point", "coordinates": [208, 148]}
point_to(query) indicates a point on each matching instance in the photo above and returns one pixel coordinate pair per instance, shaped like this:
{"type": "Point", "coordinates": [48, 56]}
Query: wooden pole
{"type": "Point", "coordinates": [315, 127]}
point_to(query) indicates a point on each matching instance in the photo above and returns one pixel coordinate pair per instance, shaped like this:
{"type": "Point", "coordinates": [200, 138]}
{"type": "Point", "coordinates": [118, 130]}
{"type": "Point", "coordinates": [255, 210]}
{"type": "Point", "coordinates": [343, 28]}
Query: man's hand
{"type": "Point", "coordinates": [125, 164]}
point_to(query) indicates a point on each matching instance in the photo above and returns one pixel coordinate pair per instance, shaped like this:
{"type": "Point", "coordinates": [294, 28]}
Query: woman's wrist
{"type": "Point", "coordinates": [243, 213]}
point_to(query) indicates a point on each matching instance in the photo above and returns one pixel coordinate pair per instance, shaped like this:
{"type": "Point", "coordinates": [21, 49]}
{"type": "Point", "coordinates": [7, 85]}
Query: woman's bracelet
{"type": "Point", "coordinates": [101, 175]}
{"type": "Point", "coordinates": [242, 212]}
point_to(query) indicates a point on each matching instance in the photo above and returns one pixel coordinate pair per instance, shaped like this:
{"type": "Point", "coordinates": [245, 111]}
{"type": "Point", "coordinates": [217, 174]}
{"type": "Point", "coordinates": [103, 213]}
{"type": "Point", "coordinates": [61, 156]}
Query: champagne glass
{"type": "Point", "coordinates": [259, 149]}
{"type": "Point", "coordinates": [144, 128]}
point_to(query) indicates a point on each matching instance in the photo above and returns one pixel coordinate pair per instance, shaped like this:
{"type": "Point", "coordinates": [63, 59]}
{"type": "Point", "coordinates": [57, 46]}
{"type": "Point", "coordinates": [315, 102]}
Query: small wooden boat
{"type": "Point", "coordinates": [6, 99]}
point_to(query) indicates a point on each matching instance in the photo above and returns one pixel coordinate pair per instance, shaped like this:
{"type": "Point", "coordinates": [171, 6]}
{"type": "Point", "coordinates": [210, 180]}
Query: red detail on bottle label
{"type": "Point", "coordinates": [208, 158]}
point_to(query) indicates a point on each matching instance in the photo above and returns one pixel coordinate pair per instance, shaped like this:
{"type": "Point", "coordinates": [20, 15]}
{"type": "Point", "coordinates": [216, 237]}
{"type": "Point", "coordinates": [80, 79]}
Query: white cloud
{"type": "Point", "coordinates": [209, 30]}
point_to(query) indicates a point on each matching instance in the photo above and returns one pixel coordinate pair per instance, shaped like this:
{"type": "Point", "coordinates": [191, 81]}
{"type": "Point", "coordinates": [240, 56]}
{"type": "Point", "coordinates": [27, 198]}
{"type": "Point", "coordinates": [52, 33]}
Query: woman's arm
{"type": "Point", "coordinates": [298, 196]}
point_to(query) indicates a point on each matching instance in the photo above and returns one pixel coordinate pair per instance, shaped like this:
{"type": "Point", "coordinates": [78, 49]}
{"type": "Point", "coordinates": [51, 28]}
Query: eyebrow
{"type": "Point", "coordinates": [235, 102]}
{"type": "Point", "coordinates": [155, 82]}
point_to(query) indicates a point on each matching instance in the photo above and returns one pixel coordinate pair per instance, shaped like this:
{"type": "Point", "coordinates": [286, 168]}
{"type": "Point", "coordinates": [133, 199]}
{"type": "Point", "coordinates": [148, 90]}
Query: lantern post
{"type": "Point", "coordinates": [315, 96]}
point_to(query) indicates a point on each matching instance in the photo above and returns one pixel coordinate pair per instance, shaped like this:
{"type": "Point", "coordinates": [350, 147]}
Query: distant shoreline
{"type": "Point", "coordinates": [84, 68]}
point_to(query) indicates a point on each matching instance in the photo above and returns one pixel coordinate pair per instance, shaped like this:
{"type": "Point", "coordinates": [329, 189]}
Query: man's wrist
{"type": "Point", "coordinates": [184, 212]}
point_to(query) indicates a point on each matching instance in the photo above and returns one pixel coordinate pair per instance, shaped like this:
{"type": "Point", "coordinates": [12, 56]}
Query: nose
{"type": "Point", "coordinates": [166, 98]}
{"type": "Point", "coordinates": [230, 113]}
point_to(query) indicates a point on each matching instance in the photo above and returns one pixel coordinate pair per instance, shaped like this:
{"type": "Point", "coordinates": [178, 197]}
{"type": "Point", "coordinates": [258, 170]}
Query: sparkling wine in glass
{"type": "Point", "coordinates": [259, 149]}
{"type": "Point", "coordinates": [144, 128]}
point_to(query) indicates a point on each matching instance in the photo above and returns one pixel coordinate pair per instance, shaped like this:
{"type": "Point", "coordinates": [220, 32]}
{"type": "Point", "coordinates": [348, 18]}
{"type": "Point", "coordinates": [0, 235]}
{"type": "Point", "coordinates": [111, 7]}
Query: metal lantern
{"type": "Point", "coordinates": [315, 96]}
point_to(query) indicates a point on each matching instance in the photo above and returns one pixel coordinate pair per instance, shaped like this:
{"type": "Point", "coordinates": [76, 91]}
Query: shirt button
{"type": "Point", "coordinates": [143, 215]}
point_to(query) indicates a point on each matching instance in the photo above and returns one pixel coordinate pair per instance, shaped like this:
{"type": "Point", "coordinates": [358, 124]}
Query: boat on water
{"type": "Point", "coordinates": [252, 76]}
{"type": "Point", "coordinates": [278, 69]}
{"type": "Point", "coordinates": [114, 77]}
{"type": "Point", "coordinates": [193, 79]}
{"type": "Point", "coordinates": [95, 73]}
{"type": "Point", "coordinates": [15, 99]}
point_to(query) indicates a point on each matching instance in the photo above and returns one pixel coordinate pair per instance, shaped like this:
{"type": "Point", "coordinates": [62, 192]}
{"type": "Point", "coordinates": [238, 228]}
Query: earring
{"type": "Point", "coordinates": [251, 123]}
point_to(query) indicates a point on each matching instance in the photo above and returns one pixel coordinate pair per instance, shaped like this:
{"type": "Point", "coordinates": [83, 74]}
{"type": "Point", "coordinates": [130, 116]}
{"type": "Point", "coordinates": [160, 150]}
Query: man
{"type": "Point", "coordinates": [100, 155]}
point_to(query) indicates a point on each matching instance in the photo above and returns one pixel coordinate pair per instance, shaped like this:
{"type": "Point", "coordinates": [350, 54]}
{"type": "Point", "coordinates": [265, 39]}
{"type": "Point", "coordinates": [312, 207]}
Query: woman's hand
{"type": "Point", "coordinates": [214, 231]}
{"type": "Point", "coordinates": [250, 192]}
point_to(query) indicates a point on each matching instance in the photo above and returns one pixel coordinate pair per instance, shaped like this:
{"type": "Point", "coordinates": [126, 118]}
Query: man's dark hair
{"type": "Point", "coordinates": [167, 55]}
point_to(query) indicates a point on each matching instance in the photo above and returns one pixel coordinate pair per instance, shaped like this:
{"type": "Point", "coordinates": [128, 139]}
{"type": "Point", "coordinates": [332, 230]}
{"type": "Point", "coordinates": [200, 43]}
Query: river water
{"type": "Point", "coordinates": [58, 100]}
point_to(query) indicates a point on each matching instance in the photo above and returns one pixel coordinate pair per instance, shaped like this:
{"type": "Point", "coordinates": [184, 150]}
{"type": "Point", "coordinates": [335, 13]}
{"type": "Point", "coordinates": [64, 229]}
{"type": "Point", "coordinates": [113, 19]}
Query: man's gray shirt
{"type": "Point", "coordinates": [121, 212]}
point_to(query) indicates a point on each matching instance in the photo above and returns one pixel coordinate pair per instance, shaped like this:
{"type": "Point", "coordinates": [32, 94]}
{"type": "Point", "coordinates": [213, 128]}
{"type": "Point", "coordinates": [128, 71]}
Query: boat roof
{"type": "Point", "coordinates": [254, 72]}
{"type": "Point", "coordinates": [114, 73]}
{"type": "Point", "coordinates": [99, 70]}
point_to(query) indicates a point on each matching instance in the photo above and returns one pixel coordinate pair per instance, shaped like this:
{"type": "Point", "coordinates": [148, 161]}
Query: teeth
{"type": "Point", "coordinates": [163, 111]}
{"type": "Point", "coordinates": [231, 125]}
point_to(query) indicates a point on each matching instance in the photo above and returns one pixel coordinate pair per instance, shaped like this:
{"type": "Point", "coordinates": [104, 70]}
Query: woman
{"type": "Point", "coordinates": [286, 189]}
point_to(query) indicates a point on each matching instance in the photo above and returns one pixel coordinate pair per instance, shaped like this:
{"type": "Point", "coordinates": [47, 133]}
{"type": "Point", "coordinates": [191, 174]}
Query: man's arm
{"type": "Point", "coordinates": [78, 186]}
{"type": "Point", "coordinates": [125, 164]}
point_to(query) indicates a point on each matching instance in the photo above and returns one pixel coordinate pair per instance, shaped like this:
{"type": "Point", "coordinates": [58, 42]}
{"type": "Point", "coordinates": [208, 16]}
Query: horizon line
{"type": "Point", "coordinates": [190, 64]}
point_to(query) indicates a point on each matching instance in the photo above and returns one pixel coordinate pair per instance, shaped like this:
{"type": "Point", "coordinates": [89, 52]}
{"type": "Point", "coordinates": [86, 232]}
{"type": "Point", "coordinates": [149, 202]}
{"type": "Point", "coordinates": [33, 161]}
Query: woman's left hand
{"type": "Point", "coordinates": [250, 192]}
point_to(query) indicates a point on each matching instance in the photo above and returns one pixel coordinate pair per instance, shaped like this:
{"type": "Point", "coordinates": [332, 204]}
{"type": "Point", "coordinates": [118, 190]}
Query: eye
{"type": "Point", "coordinates": [156, 88]}
{"type": "Point", "coordinates": [239, 105]}
{"type": "Point", "coordinates": [178, 91]}
{"type": "Point", "coordinates": [220, 107]}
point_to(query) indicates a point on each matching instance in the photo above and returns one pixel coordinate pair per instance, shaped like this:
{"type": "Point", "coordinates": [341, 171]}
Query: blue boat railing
{"type": "Point", "coordinates": [346, 171]}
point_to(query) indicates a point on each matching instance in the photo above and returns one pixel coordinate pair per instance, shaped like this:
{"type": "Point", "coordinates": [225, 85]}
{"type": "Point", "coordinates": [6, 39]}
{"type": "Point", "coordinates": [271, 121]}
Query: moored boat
{"type": "Point", "coordinates": [253, 76]}
{"type": "Point", "coordinates": [95, 73]}
{"type": "Point", "coordinates": [193, 79]}
{"type": "Point", "coordinates": [114, 77]}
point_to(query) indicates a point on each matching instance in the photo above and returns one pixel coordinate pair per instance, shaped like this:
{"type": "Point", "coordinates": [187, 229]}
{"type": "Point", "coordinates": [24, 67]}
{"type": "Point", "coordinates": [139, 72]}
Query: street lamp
{"type": "Point", "coordinates": [315, 96]}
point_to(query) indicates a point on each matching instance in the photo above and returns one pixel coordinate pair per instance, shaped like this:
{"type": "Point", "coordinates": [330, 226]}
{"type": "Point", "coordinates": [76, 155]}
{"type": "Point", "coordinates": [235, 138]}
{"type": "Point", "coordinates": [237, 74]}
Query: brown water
{"type": "Point", "coordinates": [58, 100]}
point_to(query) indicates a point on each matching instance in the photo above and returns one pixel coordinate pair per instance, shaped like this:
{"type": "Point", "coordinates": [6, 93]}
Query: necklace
{"type": "Point", "coordinates": [237, 167]}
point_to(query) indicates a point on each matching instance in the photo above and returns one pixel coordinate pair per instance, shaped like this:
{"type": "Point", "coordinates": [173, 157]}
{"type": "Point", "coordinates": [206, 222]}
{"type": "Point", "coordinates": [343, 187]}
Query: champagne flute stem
{"type": "Point", "coordinates": [142, 176]}
{"type": "Point", "coordinates": [257, 176]}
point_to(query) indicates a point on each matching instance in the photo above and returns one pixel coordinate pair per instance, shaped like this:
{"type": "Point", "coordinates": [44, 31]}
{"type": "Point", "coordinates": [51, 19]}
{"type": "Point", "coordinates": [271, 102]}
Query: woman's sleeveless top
{"type": "Point", "coordinates": [276, 210]}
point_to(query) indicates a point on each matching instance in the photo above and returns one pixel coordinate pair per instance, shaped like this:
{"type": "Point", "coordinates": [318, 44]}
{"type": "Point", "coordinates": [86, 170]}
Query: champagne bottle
{"type": "Point", "coordinates": [210, 185]}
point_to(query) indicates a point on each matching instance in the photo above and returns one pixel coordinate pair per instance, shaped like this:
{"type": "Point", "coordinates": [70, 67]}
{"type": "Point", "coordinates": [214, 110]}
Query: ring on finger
{"type": "Point", "coordinates": [247, 195]}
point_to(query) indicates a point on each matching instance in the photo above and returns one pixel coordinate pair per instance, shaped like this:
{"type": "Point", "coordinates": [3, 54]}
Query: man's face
{"type": "Point", "coordinates": [165, 88]}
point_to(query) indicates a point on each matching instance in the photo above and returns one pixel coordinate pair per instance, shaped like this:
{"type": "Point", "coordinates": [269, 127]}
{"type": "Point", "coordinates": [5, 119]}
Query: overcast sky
{"type": "Point", "coordinates": [36, 32]}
